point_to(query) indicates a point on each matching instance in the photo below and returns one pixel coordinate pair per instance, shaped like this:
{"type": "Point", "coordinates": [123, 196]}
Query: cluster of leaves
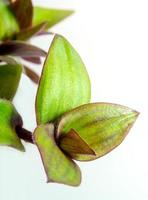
{"type": "Point", "coordinates": [69, 127]}
{"type": "Point", "coordinates": [20, 21]}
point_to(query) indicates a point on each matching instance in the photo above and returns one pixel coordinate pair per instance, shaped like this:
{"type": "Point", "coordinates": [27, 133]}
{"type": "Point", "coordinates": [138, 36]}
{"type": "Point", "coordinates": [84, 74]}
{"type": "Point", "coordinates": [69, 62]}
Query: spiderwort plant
{"type": "Point", "coordinates": [69, 127]}
{"type": "Point", "coordinates": [20, 21]}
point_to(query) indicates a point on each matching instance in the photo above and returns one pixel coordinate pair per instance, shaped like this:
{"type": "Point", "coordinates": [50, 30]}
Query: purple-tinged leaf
{"type": "Point", "coordinates": [102, 126]}
{"type": "Point", "coordinates": [45, 33]}
{"type": "Point", "coordinates": [73, 144]}
{"type": "Point", "coordinates": [22, 49]}
{"type": "Point", "coordinates": [31, 74]}
{"type": "Point", "coordinates": [59, 168]}
{"type": "Point", "coordinates": [35, 60]}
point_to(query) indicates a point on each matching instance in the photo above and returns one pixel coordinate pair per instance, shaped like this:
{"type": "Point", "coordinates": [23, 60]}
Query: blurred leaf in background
{"type": "Point", "coordinates": [8, 23]}
{"type": "Point", "coordinates": [9, 120]}
{"type": "Point", "coordinates": [10, 74]}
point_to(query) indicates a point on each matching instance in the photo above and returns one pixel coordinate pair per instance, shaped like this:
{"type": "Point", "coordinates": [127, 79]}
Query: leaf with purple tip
{"type": "Point", "coordinates": [52, 16]}
{"type": "Point", "coordinates": [102, 126]}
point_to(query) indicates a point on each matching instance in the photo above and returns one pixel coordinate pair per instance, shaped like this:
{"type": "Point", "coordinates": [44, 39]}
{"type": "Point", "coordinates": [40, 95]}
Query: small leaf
{"type": "Point", "coordinates": [31, 74]}
{"type": "Point", "coordinates": [9, 120]}
{"type": "Point", "coordinates": [8, 23]}
{"type": "Point", "coordinates": [52, 16]}
{"type": "Point", "coordinates": [64, 83]}
{"type": "Point", "coordinates": [35, 60]}
{"type": "Point", "coordinates": [23, 11]}
{"type": "Point", "coordinates": [30, 32]}
{"type": "Point", "coordinates": [18, 48]}
{"type": "Point", "coordinates": [59, 168]}
{"type": "Point", "coordinates": [10, 75]}
{"type": "Point", "coordinates": [73, 144]}
{"type": "Point", "coordinates": [102, 126]}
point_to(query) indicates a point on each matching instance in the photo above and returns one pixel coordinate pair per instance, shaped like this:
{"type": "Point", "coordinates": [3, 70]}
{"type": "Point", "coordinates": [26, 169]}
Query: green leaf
{"type": "Point", "coordinates": [64, 82]}
{"type": "Point", "coordinates": [102, 126]}
{"type": "Point", "coordinates": [23, 11]}
{"type": "Point", "coordinates": [52, 16]}
{"type": "Point", "coordinates": [59, 168]}
{"type": "Point", "coordinates": [10, 75]}
{"type": "Point", "coordinates": [8, 23]}
{"type": "Point", "coordinates": [9, 119]}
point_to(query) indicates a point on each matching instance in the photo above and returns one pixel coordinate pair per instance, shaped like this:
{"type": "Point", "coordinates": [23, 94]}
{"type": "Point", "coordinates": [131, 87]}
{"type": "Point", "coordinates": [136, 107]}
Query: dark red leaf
{"type": "Point", "coordinates": [31, 74]}
{"type": "Point", "coordinates": [17, 48]}
{"type": "Point", "coordinates": [35, 60]}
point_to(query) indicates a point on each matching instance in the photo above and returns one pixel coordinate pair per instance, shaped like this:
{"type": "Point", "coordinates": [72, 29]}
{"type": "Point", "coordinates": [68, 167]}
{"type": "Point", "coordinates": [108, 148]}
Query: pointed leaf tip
{"type": "Point", "coordinates": [102, 126]}
{"type": "Point", "coordinates": [64, 83]}
{"type": "Point", "coordinates": [51, 16]}
{"type": "Point", "coordinates": [73, 144]}
{"type": "Point", "coordinates": [59, 168]}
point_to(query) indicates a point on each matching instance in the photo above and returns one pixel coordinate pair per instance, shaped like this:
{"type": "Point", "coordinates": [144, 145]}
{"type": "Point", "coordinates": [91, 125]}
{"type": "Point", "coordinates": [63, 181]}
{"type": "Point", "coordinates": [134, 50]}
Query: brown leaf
{"type": "Point", "coordinates": [23, 11]}
{"type": "Point", "coordinates": [73, 144]}
{"type": "Point", "coordinates": [31, 74]}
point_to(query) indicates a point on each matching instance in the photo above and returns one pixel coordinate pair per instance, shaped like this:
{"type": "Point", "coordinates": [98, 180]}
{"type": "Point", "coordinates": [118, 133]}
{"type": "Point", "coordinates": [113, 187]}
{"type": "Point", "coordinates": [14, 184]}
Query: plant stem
{"type": "Point", "coordinates": [24, 134]}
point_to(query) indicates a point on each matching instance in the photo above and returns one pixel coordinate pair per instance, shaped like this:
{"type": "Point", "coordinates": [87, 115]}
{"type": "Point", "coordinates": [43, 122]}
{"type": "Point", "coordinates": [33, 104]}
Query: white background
{"type": "Point", "coordinates": [112, 38]}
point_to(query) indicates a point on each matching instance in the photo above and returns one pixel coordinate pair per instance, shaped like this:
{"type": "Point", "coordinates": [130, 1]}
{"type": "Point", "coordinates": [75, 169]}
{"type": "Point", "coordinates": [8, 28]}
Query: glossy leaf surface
{"type": "Point", "coordinates": [10, 75]}
{"type": "Point", "coordinates": [102, 126]}
{"type": "Point", "coordinates": [9, 119]}
{"type": "Point", "coordinates": [23, 11]}
{"type": "Point", "coordinates": [59, 168]}
{"type": "Point", "coordinates": [52, 16]}
{"type": "Point", "coordinates": [64, 83]}
{"type": "Point", "coordinates": [8, 23]}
